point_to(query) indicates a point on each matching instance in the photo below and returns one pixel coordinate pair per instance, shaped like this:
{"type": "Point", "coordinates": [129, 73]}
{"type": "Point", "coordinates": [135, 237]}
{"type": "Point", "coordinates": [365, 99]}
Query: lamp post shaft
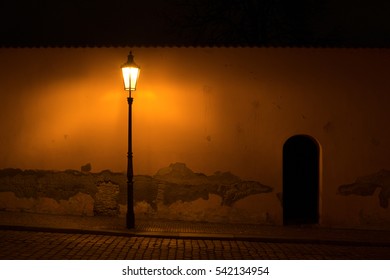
{"type": "Point", "coordinates": [130, 223]}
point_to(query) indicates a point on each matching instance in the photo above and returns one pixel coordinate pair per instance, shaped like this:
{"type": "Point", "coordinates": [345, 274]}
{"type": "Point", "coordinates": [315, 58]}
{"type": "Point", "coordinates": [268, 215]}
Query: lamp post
{"type": "Point", "coordinates": [130, 72]}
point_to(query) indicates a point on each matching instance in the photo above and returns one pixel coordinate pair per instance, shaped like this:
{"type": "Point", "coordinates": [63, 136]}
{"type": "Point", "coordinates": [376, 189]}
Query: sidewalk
{"type": "Point", "coordinates": [195, 230]}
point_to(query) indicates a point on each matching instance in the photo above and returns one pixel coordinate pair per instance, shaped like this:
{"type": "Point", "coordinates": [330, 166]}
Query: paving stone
{"type": "Point", "coordinates": [39, 245]}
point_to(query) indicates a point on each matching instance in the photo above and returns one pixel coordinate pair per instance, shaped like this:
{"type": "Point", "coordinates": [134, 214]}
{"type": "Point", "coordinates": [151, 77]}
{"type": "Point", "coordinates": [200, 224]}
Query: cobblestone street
{"type": "Point", "coordinates": [46, 245]}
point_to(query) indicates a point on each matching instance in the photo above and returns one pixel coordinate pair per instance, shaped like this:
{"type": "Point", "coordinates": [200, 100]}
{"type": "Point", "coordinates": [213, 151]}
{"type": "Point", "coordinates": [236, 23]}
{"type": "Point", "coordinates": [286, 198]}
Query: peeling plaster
{"type": "Point", "coordinates": [181, 183]}
{"type": "Point", "coordinates": [174, 192]}
{"type": "Point", "coordinates": [367, 185]}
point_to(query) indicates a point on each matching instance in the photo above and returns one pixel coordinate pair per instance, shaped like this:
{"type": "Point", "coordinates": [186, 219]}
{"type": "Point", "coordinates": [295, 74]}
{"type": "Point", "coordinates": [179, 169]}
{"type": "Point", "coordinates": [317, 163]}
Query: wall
{"type": "Point", "coordinates": [222, 109]}
{"type": "Point", "coordinates": [174, 192]}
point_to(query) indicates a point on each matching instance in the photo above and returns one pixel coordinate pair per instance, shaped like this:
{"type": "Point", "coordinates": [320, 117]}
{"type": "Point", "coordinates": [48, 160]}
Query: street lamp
{"type": "Point", "coordinates": [130, 72]}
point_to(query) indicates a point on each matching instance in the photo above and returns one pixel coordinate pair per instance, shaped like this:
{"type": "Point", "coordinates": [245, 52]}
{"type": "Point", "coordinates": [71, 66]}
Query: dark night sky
{"type": "Point", "coordinates": [203, 22]}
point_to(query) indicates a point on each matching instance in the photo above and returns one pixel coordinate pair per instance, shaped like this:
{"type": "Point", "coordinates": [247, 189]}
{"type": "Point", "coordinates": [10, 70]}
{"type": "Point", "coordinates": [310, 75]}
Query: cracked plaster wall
{"type": "Point", "coordinates": [233, 109]}
{"type": "Point", "coordinates": [368, 200]}
{"type": "Point", "coordinates": [174, 192]}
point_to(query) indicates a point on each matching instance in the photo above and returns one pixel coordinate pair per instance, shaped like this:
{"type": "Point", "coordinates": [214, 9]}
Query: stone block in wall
{"type": "Point", "coordinates": [106, 200]}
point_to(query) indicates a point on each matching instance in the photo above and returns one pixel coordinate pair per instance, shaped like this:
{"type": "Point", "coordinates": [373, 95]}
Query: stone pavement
{"type": "Point", "coordinates": [37, 245]}
{"type": "Point", "coordinates": [37, 236]}
{"type": "Point", "coordinates": [199, 230]}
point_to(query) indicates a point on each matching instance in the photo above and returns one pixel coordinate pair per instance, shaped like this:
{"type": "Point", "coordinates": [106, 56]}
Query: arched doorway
{"type": "Point", "coordinates": [301, 160]}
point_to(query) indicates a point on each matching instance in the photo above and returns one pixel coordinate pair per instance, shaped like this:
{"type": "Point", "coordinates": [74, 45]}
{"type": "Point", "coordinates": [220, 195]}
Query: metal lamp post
{"type": "Point", "coordinates": [130, 72]}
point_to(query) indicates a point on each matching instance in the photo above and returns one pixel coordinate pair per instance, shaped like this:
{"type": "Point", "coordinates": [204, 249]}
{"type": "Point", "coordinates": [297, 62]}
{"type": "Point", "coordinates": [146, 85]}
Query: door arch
{"type": "Point", "coordinates": [301, 177]}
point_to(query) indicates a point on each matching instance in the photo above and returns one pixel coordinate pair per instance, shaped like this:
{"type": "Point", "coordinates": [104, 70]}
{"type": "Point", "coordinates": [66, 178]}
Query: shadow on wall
{"type": "Point", "coordinates": [367, 185]}
{"type": "Point", "coordinates": [174, 192]}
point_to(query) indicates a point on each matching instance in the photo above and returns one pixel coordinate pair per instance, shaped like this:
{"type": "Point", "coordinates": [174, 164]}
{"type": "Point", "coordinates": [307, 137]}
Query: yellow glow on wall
{"type": "Point", "coordinates": [214, 109]}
